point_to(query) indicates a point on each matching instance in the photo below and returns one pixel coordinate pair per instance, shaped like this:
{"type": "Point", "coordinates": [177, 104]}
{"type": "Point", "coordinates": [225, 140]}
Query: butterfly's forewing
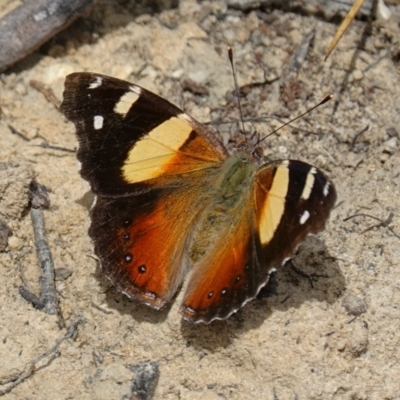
{"type": "Point", "coordinates": [130, 138]}
{"type": "Point", "coordinates": [149, 164]}
{"type": "Point", "coordinates": [288, 200]}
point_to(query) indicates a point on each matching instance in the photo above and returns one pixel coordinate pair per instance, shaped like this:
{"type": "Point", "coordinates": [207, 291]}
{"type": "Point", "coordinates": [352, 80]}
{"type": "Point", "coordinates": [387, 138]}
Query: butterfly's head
{"type": "Point", "coordinates": [241, 145]}
{"type": "Point", "coordinates": [248, 148]}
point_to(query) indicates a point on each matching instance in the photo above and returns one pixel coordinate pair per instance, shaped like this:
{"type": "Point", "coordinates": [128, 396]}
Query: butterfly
{"type": "Point", "coordinates": [164, 183]}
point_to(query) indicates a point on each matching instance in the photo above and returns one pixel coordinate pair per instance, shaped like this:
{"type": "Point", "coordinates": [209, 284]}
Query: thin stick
{"type": "Point", "coordinates": [358, 134]}
{"type": "Point", "coordinates": [31, 367]}
{"type": "Point", "coordinates": [230, 55]}
{"type": "Point", "coordinates": [47, 92]}
{"type": "Point", "coordinates": [18, 133]}
{"type": "Point", "coordinates": [51, 147]}
{"type": "Point", "coordinates": [48, 298]}
{"type": "Point", "coordinates": [344, 25]}
{"type": "Point", "coordinates": [45, 258]}
{"type": "Point", "coordinates": [299, 56]}
{"type": "Point", "coordinates": [382, 223]}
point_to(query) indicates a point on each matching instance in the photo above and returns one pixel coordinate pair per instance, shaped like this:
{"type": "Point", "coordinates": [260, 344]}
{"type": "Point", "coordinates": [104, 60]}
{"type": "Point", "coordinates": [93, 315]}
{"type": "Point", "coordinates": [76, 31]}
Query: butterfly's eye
{"type": "Point", "coordinates": [258, 152]}
{"type": "Point", "coordinates": [241, 144]}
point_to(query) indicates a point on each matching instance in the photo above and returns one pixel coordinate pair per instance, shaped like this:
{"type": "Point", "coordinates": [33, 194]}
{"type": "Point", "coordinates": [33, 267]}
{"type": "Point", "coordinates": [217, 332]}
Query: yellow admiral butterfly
{"type": "Point", "coordinates": [160, 177]}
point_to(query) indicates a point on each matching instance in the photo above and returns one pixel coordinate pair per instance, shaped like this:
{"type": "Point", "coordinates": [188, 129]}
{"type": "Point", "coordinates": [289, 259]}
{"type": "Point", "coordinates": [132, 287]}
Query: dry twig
{"type": "Point", "coordinates": [381, 223]}
{"type": "Point", "coordinates": [32, 366]}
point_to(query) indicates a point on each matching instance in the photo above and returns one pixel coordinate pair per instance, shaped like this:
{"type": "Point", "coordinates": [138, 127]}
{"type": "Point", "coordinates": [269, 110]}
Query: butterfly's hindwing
{"type": "Point", "coordinates": [229, 274]}
{"type": "Point", "coordinates": [142, 241]}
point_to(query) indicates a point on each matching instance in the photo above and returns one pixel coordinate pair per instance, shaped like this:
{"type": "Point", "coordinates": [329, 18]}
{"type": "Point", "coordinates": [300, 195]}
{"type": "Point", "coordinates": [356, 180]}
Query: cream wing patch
{"type": "Point", "coordinates": [127, 100]}
{"type": "Point", "coordinates": [150, 155]}
{"type": "Point", "coordinates": [309, 184]}
{"type": "Point", "coordinates": [274, 206]}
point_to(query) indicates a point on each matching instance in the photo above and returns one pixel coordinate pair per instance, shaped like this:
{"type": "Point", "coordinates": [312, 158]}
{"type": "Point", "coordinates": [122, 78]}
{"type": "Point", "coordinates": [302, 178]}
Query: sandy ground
{"type": "Point", "coordinates": [297, 341]}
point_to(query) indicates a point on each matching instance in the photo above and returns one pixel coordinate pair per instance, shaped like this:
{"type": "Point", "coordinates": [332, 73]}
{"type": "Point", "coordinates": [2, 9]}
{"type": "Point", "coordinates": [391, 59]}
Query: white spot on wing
{"type": "Point", "coordinates": [325, 190]}
{"type": "Point", "coordinates": [97, 83]}
{"type": "Point", "coordinates": [185, 117]}
{"type": "Point", "coordinates": [285, 260]}
{"type": "Point", "coordinates": [98, 122]}
{"type": "Point", "coordinates": [304, 217]}
{"type": "Point", "coordinates": [136, 89]}
{"type": "Point", "coordinates": [94, 202]}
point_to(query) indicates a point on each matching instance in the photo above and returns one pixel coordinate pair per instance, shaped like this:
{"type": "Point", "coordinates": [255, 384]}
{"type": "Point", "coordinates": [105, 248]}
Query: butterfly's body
{"type": "Point", "coordinates": [167, 190]}
{"type": "Point", "coordinates": [233, 181]}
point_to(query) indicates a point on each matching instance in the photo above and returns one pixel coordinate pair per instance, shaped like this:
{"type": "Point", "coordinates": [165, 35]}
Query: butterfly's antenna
{"type": "Point", "coordinates": [327, 98]}
{"type": "Point", "coordinates": [230, 55]}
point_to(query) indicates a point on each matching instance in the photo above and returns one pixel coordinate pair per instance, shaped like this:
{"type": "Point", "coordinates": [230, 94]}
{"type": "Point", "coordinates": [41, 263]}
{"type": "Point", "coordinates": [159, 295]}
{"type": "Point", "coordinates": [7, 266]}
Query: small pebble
{"type": "Point", "coordinates": [5, 233]}
{"type": "Point", "coordinates": [15, 243]}
{"type": "Point", "coordinates": [147, 374]}
{"type": "Point", "coordinates": [354, 305]}
{"type": "Point", "coordinates": [62, 273]}
{"type": "Point", "coordinates": [357, 75]}
{"type": "Point", "coordinates": [390, 145]}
